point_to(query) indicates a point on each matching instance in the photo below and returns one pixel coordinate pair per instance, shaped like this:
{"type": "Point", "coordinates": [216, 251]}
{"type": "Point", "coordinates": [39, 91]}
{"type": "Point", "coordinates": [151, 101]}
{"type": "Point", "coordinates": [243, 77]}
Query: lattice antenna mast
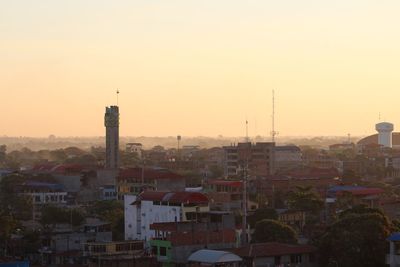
{"type": "Point", "coordinates": [247, 131]}
{"type": "Point", "coordinates": [273, 132]}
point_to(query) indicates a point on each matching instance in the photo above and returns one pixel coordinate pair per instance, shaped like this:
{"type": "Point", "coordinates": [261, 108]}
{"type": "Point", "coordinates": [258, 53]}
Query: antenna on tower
{"type": "Point", "coordinates": [117, 96]}
{"type": "Point", "coordinates": [247, 131]}
{"type": "Point", "coordinates": [273, 132]}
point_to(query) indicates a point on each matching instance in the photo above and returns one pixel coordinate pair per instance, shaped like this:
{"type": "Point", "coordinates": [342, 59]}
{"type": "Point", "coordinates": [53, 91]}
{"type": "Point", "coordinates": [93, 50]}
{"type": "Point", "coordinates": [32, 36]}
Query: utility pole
{"type": "Point", "coordinates": [245, 176]}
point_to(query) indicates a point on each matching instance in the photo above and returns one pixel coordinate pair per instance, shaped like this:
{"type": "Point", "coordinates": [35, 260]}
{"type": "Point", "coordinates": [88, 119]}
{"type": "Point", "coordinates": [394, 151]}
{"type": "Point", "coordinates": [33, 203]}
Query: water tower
{"type": "Point", "coordinates": [385, 130]}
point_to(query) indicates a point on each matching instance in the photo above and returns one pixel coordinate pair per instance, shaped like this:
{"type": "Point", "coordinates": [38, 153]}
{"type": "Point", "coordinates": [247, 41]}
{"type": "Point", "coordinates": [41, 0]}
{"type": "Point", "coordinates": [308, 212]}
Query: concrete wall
{"type": "Point", "coordinates": [71, 183]}
{"type": "Point", "coordinates": [138, 218]}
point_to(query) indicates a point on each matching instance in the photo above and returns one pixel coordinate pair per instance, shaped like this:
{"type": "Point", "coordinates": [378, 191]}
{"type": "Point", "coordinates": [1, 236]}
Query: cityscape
{"type": "Point", "coordinates": [182, 134]}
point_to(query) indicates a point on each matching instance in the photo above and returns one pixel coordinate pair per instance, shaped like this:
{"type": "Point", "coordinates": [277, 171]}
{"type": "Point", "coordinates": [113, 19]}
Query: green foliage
{"type": "Point", "coordinates": [52, 215]}
{"type": "Point", "coordinates": [274, 231]}
{"type": "Point", "coordinates": [111, 211]}
{"type": "Point", "coordinates": [360, 209]}
{"type": "Point", "coordinates": [12, 203]}
{"type": "Point", "coordinates": [358, 238]}
{"type": "Point", "coordinates": [129, 159]}
{"type": "Point", "coordinates": [262, 214]}
{"type": "Point", "coordinates": [7, 225]}
{"type": "Point", "coordinates": [31, 241]}
{"type": "Point", "coordinates": [304, 199]}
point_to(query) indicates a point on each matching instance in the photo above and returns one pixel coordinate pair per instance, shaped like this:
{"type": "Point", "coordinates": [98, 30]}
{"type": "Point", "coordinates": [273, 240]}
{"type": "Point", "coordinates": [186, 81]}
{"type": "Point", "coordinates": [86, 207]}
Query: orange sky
{"type": "Point", "coordinates": [198, 67]}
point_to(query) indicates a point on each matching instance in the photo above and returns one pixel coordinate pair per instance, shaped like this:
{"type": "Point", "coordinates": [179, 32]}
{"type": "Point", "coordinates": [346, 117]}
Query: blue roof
{"type": "Point", "coordinates": [51, 186]}
{"type": "Point", "coordinates": [345, 188]}
{"type": "Point", "coordinates": [394, 237]}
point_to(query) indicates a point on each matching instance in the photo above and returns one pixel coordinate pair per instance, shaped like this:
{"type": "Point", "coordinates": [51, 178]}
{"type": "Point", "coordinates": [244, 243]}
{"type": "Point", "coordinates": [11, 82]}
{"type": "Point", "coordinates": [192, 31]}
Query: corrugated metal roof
{"type": "Point", "coordinates": [213, 256]}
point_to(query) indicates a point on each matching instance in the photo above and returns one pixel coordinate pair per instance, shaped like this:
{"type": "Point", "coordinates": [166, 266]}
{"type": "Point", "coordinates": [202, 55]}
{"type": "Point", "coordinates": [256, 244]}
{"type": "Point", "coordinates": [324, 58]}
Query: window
{"type": "Point", "coordinates": [163, 251]}
{"type": "Point", "coordinates": [295, 258]}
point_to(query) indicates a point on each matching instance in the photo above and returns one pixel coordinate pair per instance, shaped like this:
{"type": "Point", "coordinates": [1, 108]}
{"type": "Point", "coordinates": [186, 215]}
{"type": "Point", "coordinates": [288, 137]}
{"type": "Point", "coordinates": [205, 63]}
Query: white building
{"type": "Point", "coordinates": [136, 148]}
{"type": "Point", "coordinates": [158, 207]}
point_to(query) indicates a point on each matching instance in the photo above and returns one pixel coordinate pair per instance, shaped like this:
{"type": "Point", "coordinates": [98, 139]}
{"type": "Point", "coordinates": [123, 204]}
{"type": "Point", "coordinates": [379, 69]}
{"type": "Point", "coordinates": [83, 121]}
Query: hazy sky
{"type": "Point", "coordinates": [198, 67]}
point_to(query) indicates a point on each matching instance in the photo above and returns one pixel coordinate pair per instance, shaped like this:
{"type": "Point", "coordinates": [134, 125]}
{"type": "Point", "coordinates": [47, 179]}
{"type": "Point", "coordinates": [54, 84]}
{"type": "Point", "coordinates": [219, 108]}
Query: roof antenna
{"type": "Point", "coordinates": [247, 131]}
{"type": "Point", "coordinates": [117, 97]}
{"type": "Point", "coordinates": [273, 132]}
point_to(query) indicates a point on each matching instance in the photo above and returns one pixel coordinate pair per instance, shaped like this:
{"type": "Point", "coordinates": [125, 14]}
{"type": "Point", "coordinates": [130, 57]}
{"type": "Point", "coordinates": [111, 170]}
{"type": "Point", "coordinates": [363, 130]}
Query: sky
{"type": "Point", "coordinates": [199, 67]}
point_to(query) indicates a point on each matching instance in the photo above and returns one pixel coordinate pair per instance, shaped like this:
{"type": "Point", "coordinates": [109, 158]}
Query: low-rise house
{"type": "Point", "coordinates": [175, 241]}
{"type": "Point", "coordinates": [354, 195]}
{"type": "Point", "coordinates": [133, 181]}
{"type": "Point", "coordinates": [295, 219]}
{"type": "Point", "coordinates": [121, 254]}
{"type": "Point", "coordinates": [63, 245]}
{"type": "Point", "coordinates": [214, 258]}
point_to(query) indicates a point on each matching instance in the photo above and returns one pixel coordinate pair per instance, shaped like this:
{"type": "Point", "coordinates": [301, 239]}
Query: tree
{"type": "Point", "coordinates": [52, 215]}
{"type": "Point", "coordinates": [11, 202]}
{"type": "Point", "coordinates": [262, 214]}
{"type": "Point", "coordinates": [111, 211]}
{"type": "Point", "coordinates": [274, 231]}
{"type": "Point", "coordinates": [7, 225]}
{"type": "Point", "coordinates": [358, 238]}
{"type": "Point", "coordinates": [3, 151]}
{"type": "Point", "coordinates": [304, 199]}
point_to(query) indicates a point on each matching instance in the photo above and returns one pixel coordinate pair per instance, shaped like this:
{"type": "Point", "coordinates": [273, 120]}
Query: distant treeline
{"type": "Point", "coordinates": [52, 142]}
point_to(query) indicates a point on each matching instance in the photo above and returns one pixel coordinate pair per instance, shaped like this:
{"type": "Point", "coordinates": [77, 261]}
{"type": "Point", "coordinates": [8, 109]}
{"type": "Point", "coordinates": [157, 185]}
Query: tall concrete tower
{"type": "Point", "coordinates": [385, 130]}
{"type": "Point", "coordinates": [111, 121]}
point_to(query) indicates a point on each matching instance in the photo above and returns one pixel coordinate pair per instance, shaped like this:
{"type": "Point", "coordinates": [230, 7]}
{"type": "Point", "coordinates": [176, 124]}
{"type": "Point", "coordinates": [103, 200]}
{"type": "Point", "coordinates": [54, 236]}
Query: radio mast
{"type": "Point", "coordinates": [273, 132]}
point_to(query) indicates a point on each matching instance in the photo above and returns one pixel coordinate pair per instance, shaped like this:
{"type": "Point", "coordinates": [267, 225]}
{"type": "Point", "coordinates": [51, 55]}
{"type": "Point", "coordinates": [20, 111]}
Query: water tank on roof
{"type": "Point", "coordinates": [385, 130]}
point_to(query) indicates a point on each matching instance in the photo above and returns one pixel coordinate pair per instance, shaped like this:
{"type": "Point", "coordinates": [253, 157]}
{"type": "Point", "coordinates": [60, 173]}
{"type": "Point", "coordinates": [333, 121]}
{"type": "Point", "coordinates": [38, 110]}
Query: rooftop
{"type": "Point", "coordinates": [148, 174]}
{"type": "Point", "coordinates": [213, 257]}
{"type": "Point", "coordinates": [173, 197]}
{"type": "Point", "coordinates": [272, 249]}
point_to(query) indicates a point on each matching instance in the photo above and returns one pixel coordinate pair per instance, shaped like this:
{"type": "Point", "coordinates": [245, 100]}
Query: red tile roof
{"type": "Point", "coordinates": [272, 249]}
{"type": "Point", "coordinates": [225, 183]}
{"type": "Point", "coordinates": [148, 174]}
{"type": "Point", "coordinates": [174, 197]}
{"type": "Point", "coordinates": [363, 192]}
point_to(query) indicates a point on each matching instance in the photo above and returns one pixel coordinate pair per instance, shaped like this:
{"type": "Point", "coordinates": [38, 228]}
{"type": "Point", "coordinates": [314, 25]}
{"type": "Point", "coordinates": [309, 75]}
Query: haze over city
{"type": "Point", "coordinates": [198, 67]}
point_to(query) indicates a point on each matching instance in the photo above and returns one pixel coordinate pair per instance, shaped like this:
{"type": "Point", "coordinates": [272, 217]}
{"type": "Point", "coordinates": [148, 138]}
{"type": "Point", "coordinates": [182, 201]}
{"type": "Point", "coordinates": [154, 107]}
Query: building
{"type": "Point", "coordinates": [64, 246]}
{"type": "Point", "coordinates": [133, 181]}
{"type": "Point", "coordinates": [111, 122]}
{"type": "Point", "coordinates": [342, 147]}
{"type": "Point", "coordinates": [287, 157]}
{"type": "Point", "coordinates": [277, 254]}
{"type": "Point", "coordinates": [258, 157]}
{"type": "Point", "coordinates": [118, 254]}
{"type": "Point", "coordinates": [175, 241]}
{"type": "Point", "coordinates": [354, 195]}
{"type": "Point", "coordinates": [295, 219]}
{"type": "Point", "coordinates": [136, 148]}
{"type": "Point", "coordinates": [318, 178]}
{"type": "Point", "coordinates": [214, 258]}
{"type": "Point", "coordinates": [393, 258]}
{"type": "Point", "coordinates": [156, 207]}
{"type": "Point", "coordinates": [225, 195]}
{"type": "Point", "coordinates": [385, 137]}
